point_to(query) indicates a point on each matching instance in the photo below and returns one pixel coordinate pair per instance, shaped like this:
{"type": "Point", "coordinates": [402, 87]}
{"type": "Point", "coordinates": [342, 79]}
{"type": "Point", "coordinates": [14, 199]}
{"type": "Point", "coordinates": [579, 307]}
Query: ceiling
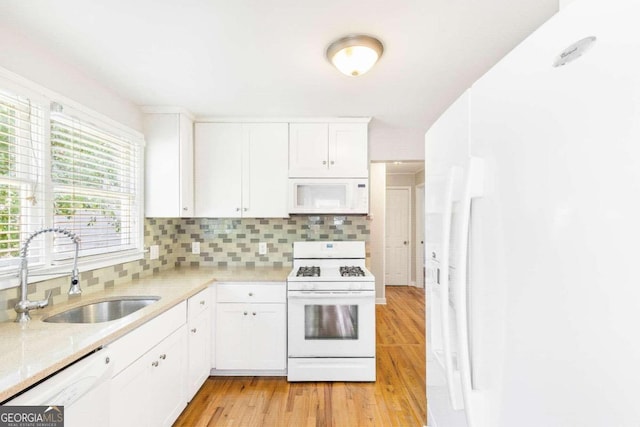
{"type": "Point", "coordinates": [267, 58]}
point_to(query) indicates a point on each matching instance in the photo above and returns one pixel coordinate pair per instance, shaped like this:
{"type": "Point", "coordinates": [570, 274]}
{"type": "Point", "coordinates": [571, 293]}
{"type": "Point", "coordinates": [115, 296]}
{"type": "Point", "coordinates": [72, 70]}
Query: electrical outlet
{"type": "Point", "coordinates": [195, 248]}
{"type": "Point", "coordinates": [262, 248]}
{"type": "Point", "coordinates": [154, 252]}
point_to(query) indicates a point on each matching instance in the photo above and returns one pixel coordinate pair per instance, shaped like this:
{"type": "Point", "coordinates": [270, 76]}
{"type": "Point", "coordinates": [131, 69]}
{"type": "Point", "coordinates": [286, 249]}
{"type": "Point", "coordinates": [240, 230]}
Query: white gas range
{"type": "Point", "coordinates": [331, 313]}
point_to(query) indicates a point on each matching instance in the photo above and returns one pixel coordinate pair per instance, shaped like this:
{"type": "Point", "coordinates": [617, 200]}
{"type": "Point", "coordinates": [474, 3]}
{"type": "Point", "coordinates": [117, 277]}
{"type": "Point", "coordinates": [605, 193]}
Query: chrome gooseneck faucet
{"type": "Point", "coordinates": [24, 305]}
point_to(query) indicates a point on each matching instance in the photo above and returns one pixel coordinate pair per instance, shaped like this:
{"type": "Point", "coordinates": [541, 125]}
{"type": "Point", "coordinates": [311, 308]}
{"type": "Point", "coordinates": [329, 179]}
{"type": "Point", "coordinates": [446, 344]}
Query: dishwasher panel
{"type": "Point", "coordinates": [82, 388]}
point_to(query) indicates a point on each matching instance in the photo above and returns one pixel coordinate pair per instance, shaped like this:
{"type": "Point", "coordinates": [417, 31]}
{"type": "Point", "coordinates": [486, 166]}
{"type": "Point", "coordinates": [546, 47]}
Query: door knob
{"type": "Point", "coordinates": [405, 242]}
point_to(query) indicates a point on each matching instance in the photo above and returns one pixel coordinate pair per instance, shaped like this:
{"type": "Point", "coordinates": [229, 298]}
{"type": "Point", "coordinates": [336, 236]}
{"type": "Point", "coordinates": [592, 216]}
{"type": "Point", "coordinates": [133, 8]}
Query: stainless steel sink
{"type": "Point", "coordinates": [102, 311]}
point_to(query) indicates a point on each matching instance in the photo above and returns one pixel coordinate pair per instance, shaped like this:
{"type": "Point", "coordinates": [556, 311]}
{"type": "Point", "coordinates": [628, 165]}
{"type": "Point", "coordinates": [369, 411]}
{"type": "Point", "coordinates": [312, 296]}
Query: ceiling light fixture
{"type": "Point", "coordinates": [354, 54]}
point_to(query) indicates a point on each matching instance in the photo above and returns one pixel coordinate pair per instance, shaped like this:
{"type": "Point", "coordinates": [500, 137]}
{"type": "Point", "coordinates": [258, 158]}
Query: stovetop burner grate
{"type": "Point", "coordinates": [312, 271]}
{"type": "Point", "coordinates": [351, 271]}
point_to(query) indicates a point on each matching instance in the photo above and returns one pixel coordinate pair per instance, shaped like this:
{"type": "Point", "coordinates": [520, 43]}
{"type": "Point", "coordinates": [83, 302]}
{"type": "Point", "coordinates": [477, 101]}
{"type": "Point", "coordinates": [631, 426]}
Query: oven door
{"type": "Point", "coordinates": [331, 323]}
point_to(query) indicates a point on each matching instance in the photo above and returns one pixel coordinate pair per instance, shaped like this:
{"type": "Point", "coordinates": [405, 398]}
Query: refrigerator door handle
{"type": "Point", "coordinates": [473, 187]}
{"type": "Point", "coordinates": [452, 377]}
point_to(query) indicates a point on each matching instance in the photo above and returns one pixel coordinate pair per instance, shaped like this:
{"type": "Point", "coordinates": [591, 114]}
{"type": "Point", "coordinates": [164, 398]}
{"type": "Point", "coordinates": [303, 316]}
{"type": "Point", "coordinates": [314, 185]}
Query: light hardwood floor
{"type": "Point", "coordinates": [397, 398]}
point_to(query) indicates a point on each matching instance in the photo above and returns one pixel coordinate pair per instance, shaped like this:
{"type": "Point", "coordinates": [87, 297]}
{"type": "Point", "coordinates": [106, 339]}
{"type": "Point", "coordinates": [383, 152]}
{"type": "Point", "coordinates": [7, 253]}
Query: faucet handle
{"type": "Point", "coordinates": [46, 301]}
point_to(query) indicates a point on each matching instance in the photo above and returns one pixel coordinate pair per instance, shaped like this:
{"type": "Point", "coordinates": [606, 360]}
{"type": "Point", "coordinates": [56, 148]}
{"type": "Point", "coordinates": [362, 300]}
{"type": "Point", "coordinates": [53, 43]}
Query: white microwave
{"type": "Point", "coordinates": [328, 196]}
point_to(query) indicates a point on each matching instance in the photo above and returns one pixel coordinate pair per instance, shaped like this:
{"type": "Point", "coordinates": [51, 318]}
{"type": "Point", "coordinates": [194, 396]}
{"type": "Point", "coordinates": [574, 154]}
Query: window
{"type": "Point", "coordinates": [94, 182]}
{"type": "Point", "coordinates": [70, 168]}
{"type": "Point", "coordinates": [21, 149]}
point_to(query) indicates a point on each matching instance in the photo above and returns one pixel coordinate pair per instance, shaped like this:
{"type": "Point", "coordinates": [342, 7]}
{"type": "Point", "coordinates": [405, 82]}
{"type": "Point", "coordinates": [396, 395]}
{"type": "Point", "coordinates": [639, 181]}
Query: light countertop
{"type": "Point", "coordinates": [34, 350]}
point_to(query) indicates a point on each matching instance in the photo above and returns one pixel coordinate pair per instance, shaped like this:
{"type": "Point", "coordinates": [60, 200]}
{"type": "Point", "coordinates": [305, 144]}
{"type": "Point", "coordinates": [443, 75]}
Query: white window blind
{"type": "Point", "coordinates": [94, 182]}
{"type": "Point", "coordinates": [21, 207]}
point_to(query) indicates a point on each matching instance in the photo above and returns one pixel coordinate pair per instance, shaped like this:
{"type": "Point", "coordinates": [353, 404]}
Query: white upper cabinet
{"type": "Point", "coordinates": [328, 150]}
{"type": "Point", "coordinates": [264, 170]}
{"type": "Point", "coordinates": [218, 173]}
{"type": "Point", "coordinates": [308, 149]}
{"type": "Point", "coordinates": [168, 165]}
{"type": "Point", "coordinates": [241, 170]}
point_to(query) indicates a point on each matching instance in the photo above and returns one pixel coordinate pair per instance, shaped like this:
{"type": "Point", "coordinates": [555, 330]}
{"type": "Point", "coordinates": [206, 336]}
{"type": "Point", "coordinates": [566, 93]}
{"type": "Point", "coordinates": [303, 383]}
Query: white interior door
{"type": "Point", "coordinates": [419, 239]}
{"type": "Point", "coordinates": [398, 226]}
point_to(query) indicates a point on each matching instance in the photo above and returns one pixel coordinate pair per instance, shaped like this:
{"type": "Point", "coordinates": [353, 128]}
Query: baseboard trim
{"type": "Point", "coordinates": [382, 301]}
{"type": "Point", "coordinates": [248, 373]}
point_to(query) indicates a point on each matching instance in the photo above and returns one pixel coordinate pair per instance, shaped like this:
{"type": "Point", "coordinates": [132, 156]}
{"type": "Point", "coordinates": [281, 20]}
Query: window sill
{"type": "Point", "coordinates": [63, 268]}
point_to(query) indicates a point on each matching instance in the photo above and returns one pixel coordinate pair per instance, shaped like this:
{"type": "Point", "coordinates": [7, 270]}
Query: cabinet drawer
{"type": "Point", "coordinates": [198, 303]}
{"type": "Point", "coordinates": [268, 292]}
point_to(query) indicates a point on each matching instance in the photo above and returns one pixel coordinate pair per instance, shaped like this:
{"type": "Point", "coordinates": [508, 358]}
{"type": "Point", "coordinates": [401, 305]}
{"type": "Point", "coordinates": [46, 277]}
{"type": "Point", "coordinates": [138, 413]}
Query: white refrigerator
{"type": "Point", "coordinates": [533, 232]}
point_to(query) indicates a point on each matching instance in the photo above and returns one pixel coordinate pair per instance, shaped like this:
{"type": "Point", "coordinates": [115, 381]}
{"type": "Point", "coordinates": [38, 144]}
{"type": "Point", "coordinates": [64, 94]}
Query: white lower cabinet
{"type": "Point", "coordinates": [251, 327]}
{"type": "Point", "coordinates": [199, 326]}
{"type": "Point", "coordinates": [151, 392]}
{"type": "Point", "coordinates": [150, 370]}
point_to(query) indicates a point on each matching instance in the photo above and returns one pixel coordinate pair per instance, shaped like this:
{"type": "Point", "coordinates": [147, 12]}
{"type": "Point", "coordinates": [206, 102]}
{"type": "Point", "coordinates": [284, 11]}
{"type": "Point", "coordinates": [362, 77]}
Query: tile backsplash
{"type": "Point", "coordinates": [223, 242]}
{"type": "Point", "coordinates": [234, 242]}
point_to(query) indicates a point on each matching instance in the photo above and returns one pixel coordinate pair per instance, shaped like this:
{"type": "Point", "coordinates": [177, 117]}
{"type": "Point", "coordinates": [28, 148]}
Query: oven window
{"type": "Point", "coordinates": [330, 322]}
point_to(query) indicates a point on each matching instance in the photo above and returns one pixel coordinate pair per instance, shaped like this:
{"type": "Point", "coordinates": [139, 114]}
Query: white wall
{"type": "Point", "coordinates": [378, 185]}
{"type": "Point", "coordinates": [21, 56]}
{"type": "Point", "coordinates": [388, 144]}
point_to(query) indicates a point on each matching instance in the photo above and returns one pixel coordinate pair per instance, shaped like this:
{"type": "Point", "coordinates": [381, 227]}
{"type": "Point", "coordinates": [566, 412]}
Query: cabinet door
{"type": "Point", "coordinates": [186, 167]}
{"type": "Point", "coordinates": [152, 390]}
{"type": "Point", "coordinates": [131, 396]}
{"type": "Point", "coordinates": [233, 343]}
{"type": "Point", "coordinates": [348, 150]}
{"type": "Point", "coordinates": [218, 165]}
{"type": "Point", "coordinates": [162, 165]}
{"type": "Point", "coordinates": [264, 170]}
{"type": "Point", "coordinates": [167, 384]}
{"type": "Point", "coordinates": [268, 336]}
{"type": "Point", "coordinates": [308, 150]}
{"type": "Point", "coordinates": [199, 352]}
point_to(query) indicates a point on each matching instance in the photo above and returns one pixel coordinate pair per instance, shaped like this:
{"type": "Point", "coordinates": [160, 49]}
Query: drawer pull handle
{"type": "Point", "coordinates": [194, 330]}
{"type": "Point", "coordinates": [107, 360]}
{"type": "Point", "coordinates": [163, 356]}
{"type": "Point", "coordinates": [254, 313]}
{"type": "Point", "coordinates": [250, 294]}
{"type": "Point", "coordinates": [155, 364]}
{"type": "Point", "coordinates": [202, 302]}
{"type": "Point", "coordinates": [245, 313]}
